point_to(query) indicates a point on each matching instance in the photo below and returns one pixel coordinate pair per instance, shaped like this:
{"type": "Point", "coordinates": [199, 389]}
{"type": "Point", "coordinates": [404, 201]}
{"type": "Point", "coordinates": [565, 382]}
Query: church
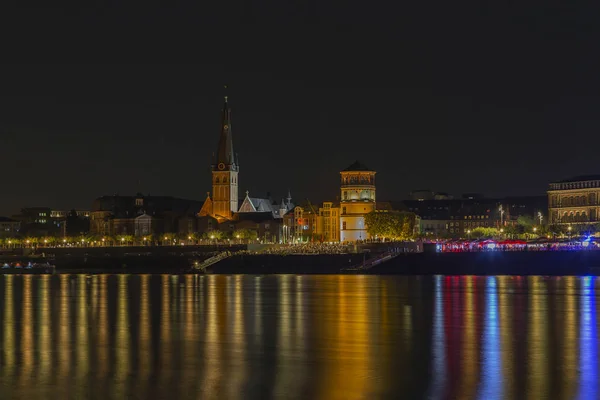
{"type": "Point", "coordinates": [225, 205]}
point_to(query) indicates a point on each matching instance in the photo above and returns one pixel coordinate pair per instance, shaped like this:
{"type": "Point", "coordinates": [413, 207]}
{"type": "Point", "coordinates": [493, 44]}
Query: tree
{"type": "Point", "coordinates": [213, 234]}
{"type": "Point", "coordinates": [390, 225]}
{"type": "Point", "coordinates": [485, 233]}
{"type": "Point", "coordinates": [245, 234]}
{"type": "Point", "coordinates": [525, 221]}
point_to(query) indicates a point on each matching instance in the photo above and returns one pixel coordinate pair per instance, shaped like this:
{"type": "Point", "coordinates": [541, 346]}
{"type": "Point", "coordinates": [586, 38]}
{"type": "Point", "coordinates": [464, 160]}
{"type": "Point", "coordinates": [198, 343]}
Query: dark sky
{"type": "Point", "coordinates": [491, 97]}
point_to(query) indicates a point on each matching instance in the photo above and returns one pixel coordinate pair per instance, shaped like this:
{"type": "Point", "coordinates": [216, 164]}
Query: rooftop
{"type": "Point", "coordinates": [357, 166]}
{"type": "Point", "coordinates": [581, 178]}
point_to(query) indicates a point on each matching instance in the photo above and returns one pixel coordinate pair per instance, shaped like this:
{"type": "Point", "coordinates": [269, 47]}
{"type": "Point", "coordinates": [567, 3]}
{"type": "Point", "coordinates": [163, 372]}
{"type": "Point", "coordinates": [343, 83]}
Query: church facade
{"type": "Point", "coordinates": [225, 205]}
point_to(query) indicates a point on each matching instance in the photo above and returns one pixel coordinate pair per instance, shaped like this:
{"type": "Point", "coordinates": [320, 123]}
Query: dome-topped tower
{"type": "Point", "coordinates": [357, 200]}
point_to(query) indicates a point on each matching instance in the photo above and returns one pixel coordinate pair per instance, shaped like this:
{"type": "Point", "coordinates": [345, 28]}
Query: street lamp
{"type": "Point", "coordinates": [469, 233]}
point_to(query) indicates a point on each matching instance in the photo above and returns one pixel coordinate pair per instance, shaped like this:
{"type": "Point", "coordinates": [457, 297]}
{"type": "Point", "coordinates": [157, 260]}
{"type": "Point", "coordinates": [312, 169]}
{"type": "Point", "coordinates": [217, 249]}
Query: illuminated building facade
{"type": "Point", "coordinates": [328, 222]}
{"type": "Point", "coordinates": [225, 170]}
{"type": "Point", "coordinates": [357, 200]}
{"type": "Point", "coordinates": [574, 201]}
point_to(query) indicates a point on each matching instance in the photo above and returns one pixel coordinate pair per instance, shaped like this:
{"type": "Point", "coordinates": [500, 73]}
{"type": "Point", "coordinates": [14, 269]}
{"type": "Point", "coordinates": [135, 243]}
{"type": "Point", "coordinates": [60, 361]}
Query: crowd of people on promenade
{"type": "Point", "coordinates": [487, 246]}
{"type": "Point", "coordinates": [302, 248]}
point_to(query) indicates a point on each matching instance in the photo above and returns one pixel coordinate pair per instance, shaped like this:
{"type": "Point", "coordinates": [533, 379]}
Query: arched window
{"type": "Point", "coordinates": [217, 180]}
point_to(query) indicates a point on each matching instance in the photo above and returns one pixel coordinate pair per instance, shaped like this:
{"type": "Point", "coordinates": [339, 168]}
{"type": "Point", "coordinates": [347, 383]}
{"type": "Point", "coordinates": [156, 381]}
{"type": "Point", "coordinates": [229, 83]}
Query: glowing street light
{"type": "Point", "coordinates": [534, 229]}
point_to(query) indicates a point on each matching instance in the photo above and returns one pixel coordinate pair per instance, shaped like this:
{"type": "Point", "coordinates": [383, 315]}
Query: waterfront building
{"type": "Point", "coordinates": [357, 200]}
{"type": "Point", "coordinates": [267, 204]}
{"type": "Point", "coordinates": [307, 222]}
{"type": "Point", "coordinates": [574, 200]}
{"type": "Point", "coordinates": [328, 222]}
{"type": "Point", "coordinates": [458, 217]}
{"type": "Point", "coordinates": [139, 215]}
{"type": "Point", "coordinates": [300, 224]}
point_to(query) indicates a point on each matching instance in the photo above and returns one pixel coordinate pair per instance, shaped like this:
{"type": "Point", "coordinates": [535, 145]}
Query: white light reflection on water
{"type": "Point", "coordinates": [438, 340]}
{"type": "Point", "coordinates": [491, 375]}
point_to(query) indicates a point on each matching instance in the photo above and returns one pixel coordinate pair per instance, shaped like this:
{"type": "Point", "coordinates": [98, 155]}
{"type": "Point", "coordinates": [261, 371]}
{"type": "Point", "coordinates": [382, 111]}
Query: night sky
{"type": "Point", "coordinates": [491, 97]}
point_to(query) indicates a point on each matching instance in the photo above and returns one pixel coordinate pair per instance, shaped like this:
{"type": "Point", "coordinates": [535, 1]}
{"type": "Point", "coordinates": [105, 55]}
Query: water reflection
{"type": "Point", "coordinates": [588, 342]}
{"type": "Point", "coordinates": [318, 337]}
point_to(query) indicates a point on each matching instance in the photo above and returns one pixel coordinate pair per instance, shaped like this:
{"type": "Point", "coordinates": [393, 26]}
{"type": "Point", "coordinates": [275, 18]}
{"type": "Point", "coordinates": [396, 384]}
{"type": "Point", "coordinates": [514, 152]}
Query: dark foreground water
{"type": "Point", "coordinates": [298, 337]}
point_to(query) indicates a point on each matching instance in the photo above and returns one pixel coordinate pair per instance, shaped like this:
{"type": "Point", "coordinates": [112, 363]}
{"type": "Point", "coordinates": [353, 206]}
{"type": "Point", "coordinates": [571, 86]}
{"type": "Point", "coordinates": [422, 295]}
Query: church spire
{"type": "Point", "coordinates": [225, 154]}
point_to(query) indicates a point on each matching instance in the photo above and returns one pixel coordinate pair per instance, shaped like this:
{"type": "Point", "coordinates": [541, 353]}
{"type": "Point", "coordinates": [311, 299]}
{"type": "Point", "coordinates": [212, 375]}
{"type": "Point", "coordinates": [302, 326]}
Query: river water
{"type": "Point", "coordinates": [298, 337]}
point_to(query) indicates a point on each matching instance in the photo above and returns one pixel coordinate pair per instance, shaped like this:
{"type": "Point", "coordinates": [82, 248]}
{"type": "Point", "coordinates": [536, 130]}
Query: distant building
{"type": "Point", "coordinates": [426, 194]}
{"type": "Point", "coordinates": [38, 221]}
{"type": "Point", "coordinates": [574, 200]}
{"type": "Point", "coordinates": [9, 227]}
{"type": "Point", "coordinates": [141, 215]}
{"type": "Point", "coordinates": [458, 217]}
{"type": "Point", "coordinates": [357, 200]}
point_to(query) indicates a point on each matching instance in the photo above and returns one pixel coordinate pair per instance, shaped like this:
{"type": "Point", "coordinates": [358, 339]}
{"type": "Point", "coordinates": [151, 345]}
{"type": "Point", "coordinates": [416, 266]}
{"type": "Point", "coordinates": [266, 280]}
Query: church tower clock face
{"type": "Point", "coordinates": [221, 166]}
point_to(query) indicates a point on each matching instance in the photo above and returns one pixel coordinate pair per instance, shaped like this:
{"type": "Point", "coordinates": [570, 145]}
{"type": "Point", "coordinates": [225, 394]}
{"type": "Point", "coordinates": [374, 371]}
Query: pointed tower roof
{"type": "Point", "coordinates": [225, 152]}
{"type": "Point", "coordinates": [357, 166]}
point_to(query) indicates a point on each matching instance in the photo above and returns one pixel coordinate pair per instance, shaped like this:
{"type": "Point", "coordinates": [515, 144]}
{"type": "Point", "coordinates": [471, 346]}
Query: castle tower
{"type": "Point", "coordinates": [225, 171]}
{"type": "Point", "coordinates": [358, 199]}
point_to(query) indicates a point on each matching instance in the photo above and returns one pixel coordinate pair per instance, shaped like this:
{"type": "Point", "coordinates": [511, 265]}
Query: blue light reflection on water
{"type": "Point", "coordinates": [491, 379]}
{"type": "Point", "coordinates": [588, 342]}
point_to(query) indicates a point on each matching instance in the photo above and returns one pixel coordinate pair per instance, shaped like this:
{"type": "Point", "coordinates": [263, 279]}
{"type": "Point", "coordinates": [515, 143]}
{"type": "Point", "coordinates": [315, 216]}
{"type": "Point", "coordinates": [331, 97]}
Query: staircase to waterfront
{"type": "Point", "coordinates": [370, 263]}
{"type": "Point", "coordinates": [213, 260]}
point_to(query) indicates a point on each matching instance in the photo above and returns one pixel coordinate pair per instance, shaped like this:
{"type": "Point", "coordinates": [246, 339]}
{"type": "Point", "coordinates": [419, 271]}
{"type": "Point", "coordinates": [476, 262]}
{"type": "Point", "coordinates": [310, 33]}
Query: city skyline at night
{"type": "Point", "coordinates": [463, 99]}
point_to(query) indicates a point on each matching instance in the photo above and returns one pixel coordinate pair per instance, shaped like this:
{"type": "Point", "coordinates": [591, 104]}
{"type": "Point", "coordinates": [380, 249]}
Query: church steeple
{"type": "Point", "coordinates": [225, 156]}
{"type": "Point", "coordinates": [225, 171]}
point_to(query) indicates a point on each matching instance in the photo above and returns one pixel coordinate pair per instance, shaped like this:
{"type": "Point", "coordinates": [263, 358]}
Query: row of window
{"type": "Point", "coordinates": [575, 185]}
{"type": "Point", "coordinates": [573, 200]}
{"type": "Point", "coordinates": [224, 180]}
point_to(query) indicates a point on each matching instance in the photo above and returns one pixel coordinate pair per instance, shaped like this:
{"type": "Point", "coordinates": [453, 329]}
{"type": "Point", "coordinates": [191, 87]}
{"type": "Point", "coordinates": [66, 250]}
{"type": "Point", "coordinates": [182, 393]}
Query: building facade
{"type": "Point", "coordinates": [357, 200]}
{"type": "Point", "coordinates": [574, 201]}
{"type": "Point", "coordinates": [9, 227]}
{"type": "Point", "coordinates": [328, 222]}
